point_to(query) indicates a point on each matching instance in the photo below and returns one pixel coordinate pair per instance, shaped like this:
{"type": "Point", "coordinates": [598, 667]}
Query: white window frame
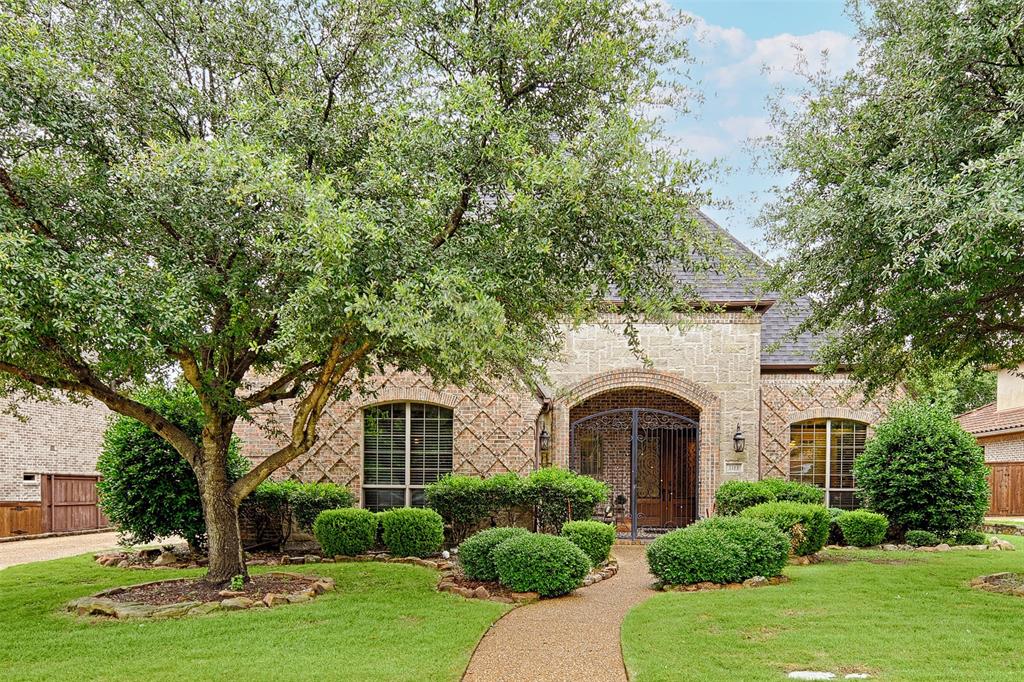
{"type": "Point", "coordinates": [408, 486]}
{"type": "Point", "coordinates": [828, 456]}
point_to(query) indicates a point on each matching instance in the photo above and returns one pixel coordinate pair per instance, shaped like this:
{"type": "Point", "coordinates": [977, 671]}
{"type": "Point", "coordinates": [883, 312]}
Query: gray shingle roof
{"type": "Point", "coordinates": [778, 321]}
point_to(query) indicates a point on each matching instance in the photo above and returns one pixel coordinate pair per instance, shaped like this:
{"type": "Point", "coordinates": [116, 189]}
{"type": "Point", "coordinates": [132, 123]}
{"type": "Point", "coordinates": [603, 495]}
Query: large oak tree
{"type": "Point", "coordinates": [276, 198]}
{"type": "Point", "coordinates": [904, 223]}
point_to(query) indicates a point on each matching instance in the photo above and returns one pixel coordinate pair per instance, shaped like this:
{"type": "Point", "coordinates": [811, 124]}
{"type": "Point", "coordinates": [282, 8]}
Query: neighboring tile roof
{"type": "Point", "coordinates": [986, 420]}
{"type": "Point", "coordinates": [718, 287]}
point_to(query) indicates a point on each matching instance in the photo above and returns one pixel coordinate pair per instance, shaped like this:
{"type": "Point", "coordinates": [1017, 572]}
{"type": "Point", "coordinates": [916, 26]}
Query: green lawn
{"type": "Point", "coordinates": [384, 622]}
{"type": "Point", "coordinates": [915, 620]}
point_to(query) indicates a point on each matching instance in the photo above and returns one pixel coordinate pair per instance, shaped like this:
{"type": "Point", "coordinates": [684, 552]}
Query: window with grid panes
{"type": "Point", "coordinates": [821, 453]}
{"type": "Point", "coordinates": [405, 447]}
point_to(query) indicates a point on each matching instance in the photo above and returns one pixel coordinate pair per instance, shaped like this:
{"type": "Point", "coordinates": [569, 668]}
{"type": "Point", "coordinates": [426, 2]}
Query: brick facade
{"type": "Point", "coordinates": [54, 438]}
{"type": "Point", "coordinates": [1003, 448]}
{"type": "Point", "coordinates": [790, 398]}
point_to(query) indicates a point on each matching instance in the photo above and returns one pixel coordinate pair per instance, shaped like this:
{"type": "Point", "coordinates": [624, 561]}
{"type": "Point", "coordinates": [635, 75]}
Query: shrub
{"type": "Point", "coordinates": [475, 552]}
{"type": "Point", "coordinates": [461, 502]}
{"type": "Point", "coordinates": [345, 531]}
{"type": "Point", "coordinates": [147, 489]}
{"type": "Point", "coordinates": [733, 497]}
{"type": "Point", "coordinates": [923, 471]}
{"type": "Point", "coordinates": [922, 538]}
{"type": "Point", "coordinates": [271, 507]}
{"type": "Point", "coordinates": [546, 564]}
{"type": "Point", "coordinates": [411, 532]}
{"type": "Point", "coordinates": [969, 537]}
{"type": "Point", "coordinates": [593, 537]}
{"type": "Point", "coordinates": [793, 491]}
{"type": "Point", "coordinates": [722, 549]}
{"type": "Point", "coordinates": [806, 525]}
{"type": "Point", "coordinates": [560, 495]}
{"type": "Point", "coordinates": [835, 533]}
{"type": "Point", "coordinates": [504, 498]}
{"type": "Point", "coordinates": [307, 500]}
{"type": "Point", "coordinates": [862, 528]}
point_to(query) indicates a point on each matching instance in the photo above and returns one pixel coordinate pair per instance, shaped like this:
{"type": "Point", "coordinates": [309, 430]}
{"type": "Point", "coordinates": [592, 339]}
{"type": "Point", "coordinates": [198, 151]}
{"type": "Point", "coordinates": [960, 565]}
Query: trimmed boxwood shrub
{"type": "Point", "coordinates": [476, 550]}
{"type": "Point", "coordinates": [923, 471]}
{"type": "Point", "coordinates": [805, 524]}
{"type": "Point", "coordinates": [272, 506]}
{"type": "Point", "coordinates": [546, 564]}
{"type": "Point", "coordinates": [559, 495]}
{"type": "Point", "coordinates": [593, 537]}
{"type": "Point", "coordinates": [862, 528]}
{"type": "Point", "coordinates": [733, 497]}
{"type": "Point", "coordinates": [722, 549]}
{"type": "Point", "coordinates": [345, 531]}
{"type": "Point", "coordinates": [835, 533]}
{"type": "Point", "coordinates": [461, 502]}
{"type": "Point", "coordinates": [969, 537]}
{"type": "Point", "coordinates": [922, 538]}
{"type": "Point", "coordinates": [505, 498]}
{"type": "Point", "coordinates": [410, 531]}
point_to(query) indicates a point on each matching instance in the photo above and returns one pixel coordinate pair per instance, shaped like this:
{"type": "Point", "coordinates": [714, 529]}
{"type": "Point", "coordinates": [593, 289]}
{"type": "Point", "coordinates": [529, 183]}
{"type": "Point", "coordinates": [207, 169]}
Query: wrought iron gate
{"type": "Point", "coordinates": [649, 457]}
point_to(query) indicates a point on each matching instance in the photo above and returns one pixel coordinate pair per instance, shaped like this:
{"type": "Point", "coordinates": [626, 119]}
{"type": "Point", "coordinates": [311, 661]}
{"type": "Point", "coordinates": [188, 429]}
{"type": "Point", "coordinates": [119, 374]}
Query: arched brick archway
{"type": "Point", "coordinates": [706, 403]}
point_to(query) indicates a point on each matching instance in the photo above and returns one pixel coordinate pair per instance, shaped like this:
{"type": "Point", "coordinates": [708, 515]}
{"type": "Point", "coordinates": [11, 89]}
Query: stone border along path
{"type": "Point", "coordinates": [570, 638]}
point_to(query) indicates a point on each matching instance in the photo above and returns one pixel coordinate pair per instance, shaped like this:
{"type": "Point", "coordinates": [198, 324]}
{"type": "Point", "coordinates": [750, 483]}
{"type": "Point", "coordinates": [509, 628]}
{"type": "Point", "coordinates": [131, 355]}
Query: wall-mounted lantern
{"type": "Point", "coordinates": [544, 439]}
{"type": "Point", "coordinates": [738, 441]}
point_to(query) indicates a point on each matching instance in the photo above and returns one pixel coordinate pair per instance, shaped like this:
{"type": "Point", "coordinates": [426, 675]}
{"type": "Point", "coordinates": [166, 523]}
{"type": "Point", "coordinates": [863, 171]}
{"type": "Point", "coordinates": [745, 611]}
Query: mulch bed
{"type": "Point", "coordinates": [176, 592]}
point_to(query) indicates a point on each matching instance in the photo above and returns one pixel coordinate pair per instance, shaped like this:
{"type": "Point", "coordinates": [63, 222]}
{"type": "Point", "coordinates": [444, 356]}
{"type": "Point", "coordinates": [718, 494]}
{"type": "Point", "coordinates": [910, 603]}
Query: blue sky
{"type": "Point", "coordinates": [747, 51]}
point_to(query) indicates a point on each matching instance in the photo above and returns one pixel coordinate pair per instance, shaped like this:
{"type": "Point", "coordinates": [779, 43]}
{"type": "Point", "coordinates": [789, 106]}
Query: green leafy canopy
{"type": "Point", "coordinates": [903, 221]}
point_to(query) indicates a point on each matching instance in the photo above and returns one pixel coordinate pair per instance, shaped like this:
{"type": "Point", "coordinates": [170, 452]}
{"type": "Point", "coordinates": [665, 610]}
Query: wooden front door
{"type": "Point", "coordinates": [71, 503]}
{"type": "Point", "coordinates": [666, 484]}
{"type": "Point", "coordinates": [1006, 481]}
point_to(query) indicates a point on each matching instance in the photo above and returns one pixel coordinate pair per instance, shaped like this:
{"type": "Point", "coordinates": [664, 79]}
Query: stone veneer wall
{"type": "Point", "coordinates": [493, 432]}
{"type": "Point", "coordinates": [1003, 448]}
{"type": "Point", "coordinates": [794, 397]}
{"type": "Point", "coordinates": [56, 438]}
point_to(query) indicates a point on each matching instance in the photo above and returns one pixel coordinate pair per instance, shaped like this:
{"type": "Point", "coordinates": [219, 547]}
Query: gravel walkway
{"type": "Point", "coordinates": [44, 549]}
{"type": "Point", "coordinates": [571, 638]}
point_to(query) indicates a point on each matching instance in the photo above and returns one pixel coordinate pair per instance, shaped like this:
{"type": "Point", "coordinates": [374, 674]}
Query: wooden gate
{"type": "Point", "coordinates": [1006, 481]}
{"type": "Point", "coordinates": [70, 503]}
{"type": "Point", "coordinates": [20, 518]}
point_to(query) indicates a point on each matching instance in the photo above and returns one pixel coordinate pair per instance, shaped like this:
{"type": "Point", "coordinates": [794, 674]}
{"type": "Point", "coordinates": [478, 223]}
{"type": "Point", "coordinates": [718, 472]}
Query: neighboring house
{"type": "Point", "coordinates": [730, 396]}
{"type": "Point", "coordinates": [999, 428]}
{"type": "Point", "coordinates": [48, 467]}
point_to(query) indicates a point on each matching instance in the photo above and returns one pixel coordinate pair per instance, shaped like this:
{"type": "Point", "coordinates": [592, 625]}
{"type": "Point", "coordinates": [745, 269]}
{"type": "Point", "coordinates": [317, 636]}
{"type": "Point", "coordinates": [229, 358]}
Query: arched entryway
{"type": "Point", "coordinates": [646, 445]}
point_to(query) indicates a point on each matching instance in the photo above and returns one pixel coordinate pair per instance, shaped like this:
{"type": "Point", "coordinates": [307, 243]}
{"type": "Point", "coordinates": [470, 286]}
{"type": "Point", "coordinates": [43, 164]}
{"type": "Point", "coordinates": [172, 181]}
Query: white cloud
{"type": "Point", "coordinates": [784, 56]}
{"type": "Point", "coordinates": [703, 145]}
{"type": "Point", "coordinates": [713, 37]}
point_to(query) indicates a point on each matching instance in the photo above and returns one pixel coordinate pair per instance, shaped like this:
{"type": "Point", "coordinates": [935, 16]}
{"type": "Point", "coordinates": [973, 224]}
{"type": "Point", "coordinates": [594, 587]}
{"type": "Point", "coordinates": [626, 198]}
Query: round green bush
{"type": "Point", "coordinates": [593, 537]}
{"type": "Point", "coordinates": [345, 531]}
{"type": "Point", "coordinates": [923, 471]}
{"type": "Point", "coordinates": [793, 491]}
{"type": "Point", "coordinates": [558, 495]}
{"type": "Point", "coordinates": [546, 564]}
{"type": "Point", "coordinates": [862, 528]}
{"type": "Point", "coordinates": [475, 551]}
{"type": "Point", "coordinates": [807, 525]}
{"type": "Point", "coordinates": [147, 489]}
{"type": "Point", "coordinates": [969, 537]}
{"type": "Point", "coordinates": [733, 497]}
{"type": "Point", "coordinates": [722, 549]}
{"type": "Point", "coordinates": [921, 538]}
{"type": "Point", "coordinates": [411, 532]}
{"type": "Point", "coordinates": [835, 533]}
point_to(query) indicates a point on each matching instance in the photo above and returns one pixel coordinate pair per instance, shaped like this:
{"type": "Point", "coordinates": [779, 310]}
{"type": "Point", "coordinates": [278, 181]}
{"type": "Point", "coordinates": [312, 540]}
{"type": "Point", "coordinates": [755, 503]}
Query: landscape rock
{"type": "Point", "coordinates": [756, 581]}
{"type": "Point", "coordinates": [525, 597]}
{"type": "Point", "coordinates": [204, 608]}
{"type": "Point", "coordinates": [310, 559]}
{"type": "Point", "coordinates": [1005, 546]}
{"type": "Point", "coordinates": [236, 603]}
{"type": "Point", "coordinates": [811, 675]}
{"type": "Point", "coordinates": [228, 594]}
{"type": "Point", "coordinates": [166, 559]}
{"type": "Point", "coordinates": [942, 547]}
{"type": "Point", "coordinates": [174, 610]}
{"type": "Point", "coordinates": [481, 593]}
{"type": "Point", "coordinates": [93, 606]}
{"type": "Point", "coordinates": [273, 599]}
{"type": "Point", "coordinates": [890, 548]}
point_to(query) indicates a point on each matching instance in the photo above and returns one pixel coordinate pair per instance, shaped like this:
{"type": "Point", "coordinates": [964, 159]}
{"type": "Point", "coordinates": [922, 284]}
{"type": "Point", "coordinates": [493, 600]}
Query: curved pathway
{"type": "Point", "coordinates": [571, 638]}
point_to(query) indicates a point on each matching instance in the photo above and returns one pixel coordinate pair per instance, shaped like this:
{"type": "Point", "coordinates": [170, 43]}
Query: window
{"type": "Point", "coordinates": [822, 453]}
{"type": "Point", "coordinates": [405, 447]}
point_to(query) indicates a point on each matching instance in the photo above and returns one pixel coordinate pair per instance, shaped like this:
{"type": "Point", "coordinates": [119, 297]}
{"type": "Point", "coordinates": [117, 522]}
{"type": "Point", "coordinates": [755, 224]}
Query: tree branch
{"type": "Point", "coordinates": [19, 203]}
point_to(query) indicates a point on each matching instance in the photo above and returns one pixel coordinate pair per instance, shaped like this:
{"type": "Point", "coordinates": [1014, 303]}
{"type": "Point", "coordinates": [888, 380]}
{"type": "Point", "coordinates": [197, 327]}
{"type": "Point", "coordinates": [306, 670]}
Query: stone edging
{"type": "Point", "coordinates": [447, 583]}
{"type": "Point", "coordinates": [749, 583]}
{"type": "Point", "coordinates": [100, 604]}
{"type": "Point", "coordinates": [994, 544]}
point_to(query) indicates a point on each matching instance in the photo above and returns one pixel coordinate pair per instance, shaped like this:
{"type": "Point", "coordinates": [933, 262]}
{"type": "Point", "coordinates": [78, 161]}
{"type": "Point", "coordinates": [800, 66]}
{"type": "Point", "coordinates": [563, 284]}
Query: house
{"type": "Point", "coordinates": [729, 396]}
{"type": "Point", "coordinates": [999, 428]}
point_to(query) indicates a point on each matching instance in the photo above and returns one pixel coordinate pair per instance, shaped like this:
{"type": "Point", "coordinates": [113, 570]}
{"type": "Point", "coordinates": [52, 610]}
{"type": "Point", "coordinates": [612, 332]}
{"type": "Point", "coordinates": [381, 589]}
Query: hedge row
{"type": "Point", "coordinates": [733, 497]}
{"type": "Point", "coordinates": [404, 531]}
{"type": "Point", "coordinates": [555, 496]}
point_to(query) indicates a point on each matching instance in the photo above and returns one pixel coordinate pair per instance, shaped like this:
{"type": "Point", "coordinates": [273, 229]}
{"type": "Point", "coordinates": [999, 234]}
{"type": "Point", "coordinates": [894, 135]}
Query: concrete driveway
{"type": "Point", "coordinates": [43, 549]}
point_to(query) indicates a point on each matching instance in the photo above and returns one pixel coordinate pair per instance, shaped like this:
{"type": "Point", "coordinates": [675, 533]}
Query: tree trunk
{"type": "Point", "coordinates": [223, 535]}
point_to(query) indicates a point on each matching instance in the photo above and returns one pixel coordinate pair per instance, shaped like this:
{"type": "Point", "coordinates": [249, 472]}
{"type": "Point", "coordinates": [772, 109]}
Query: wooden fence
{"type": "Point", "coordinates": [1006, 479]}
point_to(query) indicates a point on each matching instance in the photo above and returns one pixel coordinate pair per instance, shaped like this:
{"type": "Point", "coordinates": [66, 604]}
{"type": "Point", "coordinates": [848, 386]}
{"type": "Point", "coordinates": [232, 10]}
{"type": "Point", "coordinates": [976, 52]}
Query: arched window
{"type": "Point", "coordinates": [405, 447]}
{"type": "Point", "coordinates": [821, 452]}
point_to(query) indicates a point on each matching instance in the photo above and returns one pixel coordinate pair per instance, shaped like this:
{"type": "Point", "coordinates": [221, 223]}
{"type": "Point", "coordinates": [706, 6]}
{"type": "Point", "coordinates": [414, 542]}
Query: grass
{"type": "Point", "coordinates": [898, 616]}
{"type": "Point", "coordinates": [384, 622]}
